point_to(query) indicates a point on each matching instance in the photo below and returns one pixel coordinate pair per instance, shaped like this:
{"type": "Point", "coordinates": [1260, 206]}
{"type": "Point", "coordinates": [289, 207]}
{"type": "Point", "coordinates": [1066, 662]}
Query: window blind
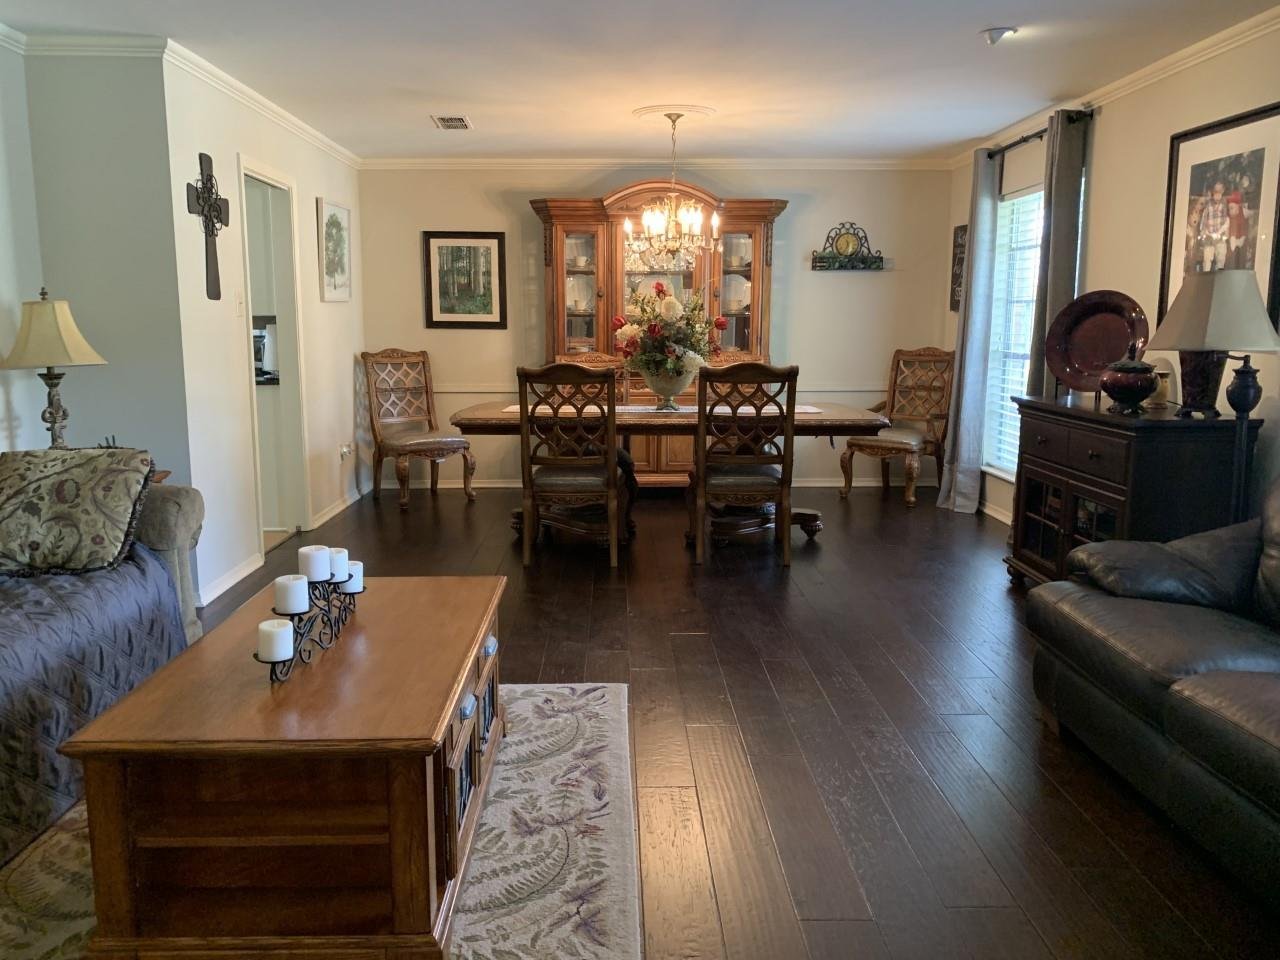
{"type": "Point", "coordinates": [1018, 229]}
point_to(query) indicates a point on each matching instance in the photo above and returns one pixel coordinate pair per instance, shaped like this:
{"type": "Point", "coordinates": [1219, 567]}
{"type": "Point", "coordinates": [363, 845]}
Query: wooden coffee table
{"type": "Point", "coordinates": [329, 817]}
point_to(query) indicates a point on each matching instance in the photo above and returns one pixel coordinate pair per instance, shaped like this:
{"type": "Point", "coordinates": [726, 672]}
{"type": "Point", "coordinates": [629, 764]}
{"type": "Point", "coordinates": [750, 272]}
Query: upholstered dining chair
{"type": "Point", "coordinates": [402, 414]}
{"type": "Point", "coordinates": [917, 404]}
{"type": "Point", "coordinates": [744, 447]}
{"type": "Point", "coordinates": [569, 456]}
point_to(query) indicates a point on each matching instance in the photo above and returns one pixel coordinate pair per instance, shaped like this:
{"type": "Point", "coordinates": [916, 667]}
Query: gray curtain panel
{"type": "Point", "coordinates": [961, 482]}
{"type": "Point", "coordinates": [1066, 143]}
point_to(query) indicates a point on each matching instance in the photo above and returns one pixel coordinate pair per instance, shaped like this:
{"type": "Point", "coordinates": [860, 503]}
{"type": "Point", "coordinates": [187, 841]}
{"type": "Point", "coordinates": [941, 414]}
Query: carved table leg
{"type": "Point", "coordinates": [468, 471]}
{"type": "Point", "coordinates": [402, 478]}
{"type": "Point", "coordinates": [435, 475]}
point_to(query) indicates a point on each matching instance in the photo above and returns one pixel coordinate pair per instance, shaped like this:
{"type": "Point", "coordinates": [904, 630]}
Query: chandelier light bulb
{"type": "Point", "coordinates": [626, 226]}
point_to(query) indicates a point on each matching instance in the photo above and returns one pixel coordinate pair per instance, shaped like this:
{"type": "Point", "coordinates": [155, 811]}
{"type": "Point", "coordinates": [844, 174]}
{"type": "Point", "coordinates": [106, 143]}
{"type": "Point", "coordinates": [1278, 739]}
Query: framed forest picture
{"type": "Point", "coordinates": [333, 226]}
{"type": "Point", "coordinates": [1221, 210]}
{"type": "Point", "coordinates": [465, 279]}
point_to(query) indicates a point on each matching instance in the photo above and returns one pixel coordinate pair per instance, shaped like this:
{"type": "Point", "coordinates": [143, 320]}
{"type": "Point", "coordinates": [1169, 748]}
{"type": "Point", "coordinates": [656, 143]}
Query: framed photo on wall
{"type": "Point", "coordinates": [959, 246]}
{"type": "Point", "coordinates": [333, 227]}
{"type": "Point", "coordinates": [465, 279]}
{"type": "Point", "coordinates": [1221, 209]}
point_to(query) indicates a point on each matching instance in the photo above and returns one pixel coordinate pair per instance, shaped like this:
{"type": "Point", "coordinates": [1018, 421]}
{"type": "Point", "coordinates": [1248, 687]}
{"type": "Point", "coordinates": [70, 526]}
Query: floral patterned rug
{"type": "Point", "coordinates": [553, 871]}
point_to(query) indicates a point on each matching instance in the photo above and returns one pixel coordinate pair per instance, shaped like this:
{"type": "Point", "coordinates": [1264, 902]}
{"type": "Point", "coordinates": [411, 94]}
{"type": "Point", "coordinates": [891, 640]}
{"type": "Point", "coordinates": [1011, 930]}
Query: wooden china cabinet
{"type": "Point", "coordinates": [589, 282]}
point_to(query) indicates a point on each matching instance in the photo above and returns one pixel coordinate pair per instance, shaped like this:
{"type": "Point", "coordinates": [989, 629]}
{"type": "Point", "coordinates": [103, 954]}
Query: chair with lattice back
{"type": "Point", "coordinates": [744, 447]}
{"type": "Point", "coordinates": [918, 401]}
{"type": "Point", "coordinates": [569, 456]}
{"type": "Point", "coordinates": [402, 414]}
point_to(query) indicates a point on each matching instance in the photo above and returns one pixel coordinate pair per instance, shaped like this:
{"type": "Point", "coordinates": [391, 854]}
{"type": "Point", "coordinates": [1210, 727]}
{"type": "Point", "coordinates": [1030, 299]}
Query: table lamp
{"type": "Point", "coordinates": [1215, 313]}
{"type": "Point", "coordinates": [49, 338]}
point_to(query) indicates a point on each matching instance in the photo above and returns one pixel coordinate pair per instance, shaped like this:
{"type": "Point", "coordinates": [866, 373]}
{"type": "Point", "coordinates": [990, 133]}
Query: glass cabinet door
{"type": "Point", "coordinates": [582, 300]}
{"type": "Point", "coordinates": [735, 289]}
{"type": "Point", "coordinates": [1041, 521]}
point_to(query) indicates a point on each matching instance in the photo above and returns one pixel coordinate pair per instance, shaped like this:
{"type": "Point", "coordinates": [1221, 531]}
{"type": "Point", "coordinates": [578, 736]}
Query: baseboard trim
{"type": "Point", "coordinates": [331, 511]}
{"type": "Point", "coordinates": [995, 513]}
{"type": "Point", "coordinates": [229, 579]}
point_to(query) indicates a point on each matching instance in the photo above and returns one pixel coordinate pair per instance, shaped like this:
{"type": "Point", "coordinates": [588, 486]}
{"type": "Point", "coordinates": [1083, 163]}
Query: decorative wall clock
{"type": "Point", "coordinates": [847, 248]}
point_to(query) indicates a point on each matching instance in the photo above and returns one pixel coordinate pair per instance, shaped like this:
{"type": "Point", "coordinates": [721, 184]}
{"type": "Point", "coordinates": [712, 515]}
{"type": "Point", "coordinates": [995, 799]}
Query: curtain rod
{"type": "Point", "coordinates": [1072, 117]}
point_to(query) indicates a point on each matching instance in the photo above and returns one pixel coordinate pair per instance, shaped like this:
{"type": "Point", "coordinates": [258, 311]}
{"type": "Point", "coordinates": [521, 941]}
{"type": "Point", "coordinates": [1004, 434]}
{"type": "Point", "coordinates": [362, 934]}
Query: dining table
{"type": "Point", "coordinates": [820, 419]}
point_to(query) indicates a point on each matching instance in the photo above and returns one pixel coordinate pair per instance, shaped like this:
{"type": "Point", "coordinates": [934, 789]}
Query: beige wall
{"type": "Point", "coordinates": [21, 392]}
{"type": "Point", "coordinates": [1125, 197]}
{"type": "Point", "coordinates": [839, 327]}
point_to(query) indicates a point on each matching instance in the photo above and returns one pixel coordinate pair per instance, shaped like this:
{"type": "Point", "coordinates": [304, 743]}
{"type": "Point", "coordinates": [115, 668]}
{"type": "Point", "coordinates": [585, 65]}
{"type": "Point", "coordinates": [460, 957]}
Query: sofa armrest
{"type": "Point", "coordinates": [170, 525]}
{"type": "Point", "coordinates": [1212, 569]}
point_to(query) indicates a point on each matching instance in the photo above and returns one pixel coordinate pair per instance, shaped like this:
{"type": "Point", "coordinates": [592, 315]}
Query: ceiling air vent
{"type": "Point", "coordinates": [451, 123]}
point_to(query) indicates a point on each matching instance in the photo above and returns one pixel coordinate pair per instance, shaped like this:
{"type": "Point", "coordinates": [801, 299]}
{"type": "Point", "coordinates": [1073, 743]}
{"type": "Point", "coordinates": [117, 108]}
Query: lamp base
{"type": "Point", "coordinates": [1201, 381]}
{"type": "Point", "coordinates": [55, 414]}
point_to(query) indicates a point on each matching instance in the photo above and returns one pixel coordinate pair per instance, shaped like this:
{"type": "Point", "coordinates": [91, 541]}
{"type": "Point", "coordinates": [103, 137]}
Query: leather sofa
{"type": "Point", "coordinates": [1164, 659]}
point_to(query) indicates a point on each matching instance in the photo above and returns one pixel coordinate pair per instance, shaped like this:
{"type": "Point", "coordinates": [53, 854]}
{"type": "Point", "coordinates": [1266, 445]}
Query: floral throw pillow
{"type": "Point", "coordinates": [69, 511]}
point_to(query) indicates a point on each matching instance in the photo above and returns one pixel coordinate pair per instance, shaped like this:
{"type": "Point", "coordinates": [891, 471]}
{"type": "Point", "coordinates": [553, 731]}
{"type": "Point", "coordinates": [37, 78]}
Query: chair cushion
{"type": "Point", "coordinates": [572, 479]}
{"type": "Point", "coordinates": [749, 477]}
{"type": "Point", "coordinates": [415, 437]}
{"type": "Point", "coordinates": [905, 439]}
{"type": "Point", "coordinates": [1230, 722]}
{"type": "Point", "coordinates": [1137, 649]}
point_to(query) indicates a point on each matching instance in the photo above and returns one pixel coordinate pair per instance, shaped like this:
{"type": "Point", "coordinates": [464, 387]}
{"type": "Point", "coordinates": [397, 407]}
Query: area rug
{"type": "Point", "coordinates": [553, 871]}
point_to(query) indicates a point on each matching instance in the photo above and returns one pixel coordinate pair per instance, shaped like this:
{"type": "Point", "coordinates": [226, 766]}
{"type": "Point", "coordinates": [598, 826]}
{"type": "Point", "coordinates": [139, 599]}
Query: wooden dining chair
{"type": "Point", "coordinates": [744, 447]}
{"type": "Point", "coordinates": [569, 457]}
{"type": "Point", "coordinates": [402, 414]}
{"type": "Point", "coordinates": [917, 405]}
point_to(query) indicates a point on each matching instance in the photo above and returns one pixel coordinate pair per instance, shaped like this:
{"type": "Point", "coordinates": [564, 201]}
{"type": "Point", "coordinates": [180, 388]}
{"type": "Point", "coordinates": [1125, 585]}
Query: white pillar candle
{"type": "Point", "coordinates": [356, 583]}
{"type": "Point", "coordinates": [313, 563]}
{"type": "Point", "coordinates": [291, 594]}
{"type": "Point", "coordinates": [338, 563]}
{"type": "Point", "coordinates": [275, 640]}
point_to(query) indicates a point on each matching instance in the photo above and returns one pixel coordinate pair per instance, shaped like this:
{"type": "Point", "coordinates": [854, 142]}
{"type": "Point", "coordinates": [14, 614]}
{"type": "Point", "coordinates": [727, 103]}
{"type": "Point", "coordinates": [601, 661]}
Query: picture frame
{"type": "Point", "coordinates": [959, 248]}
{"type": "Point", "coordinates": [465, 279]}
{"type": "Point", "coordinates": [333, 237]}
{"type": "Point", "coordinates": [1222, 203]}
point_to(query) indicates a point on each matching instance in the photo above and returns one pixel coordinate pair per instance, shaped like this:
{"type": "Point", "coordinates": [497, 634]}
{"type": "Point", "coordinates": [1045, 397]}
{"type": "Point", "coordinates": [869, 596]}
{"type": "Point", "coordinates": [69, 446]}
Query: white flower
{"type": "Point", "coordinates": [625, 333]}
{"type": "Point", "coordinates": [670, 309]}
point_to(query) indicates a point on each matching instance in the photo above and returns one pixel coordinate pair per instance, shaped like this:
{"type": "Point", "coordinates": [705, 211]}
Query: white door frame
{"type": "Point", "coordinates": [249, 167]}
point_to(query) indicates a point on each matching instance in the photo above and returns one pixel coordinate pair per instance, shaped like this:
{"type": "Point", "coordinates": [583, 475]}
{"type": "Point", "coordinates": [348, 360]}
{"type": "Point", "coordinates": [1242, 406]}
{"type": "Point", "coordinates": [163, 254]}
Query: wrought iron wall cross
{"type": "Point", "coordinates": [214, 213]}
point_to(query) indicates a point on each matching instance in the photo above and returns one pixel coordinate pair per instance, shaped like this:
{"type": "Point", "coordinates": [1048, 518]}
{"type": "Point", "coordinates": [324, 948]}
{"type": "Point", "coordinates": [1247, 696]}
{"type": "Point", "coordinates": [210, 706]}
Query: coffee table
{"type": "Point", "coordinates": [328, 817]}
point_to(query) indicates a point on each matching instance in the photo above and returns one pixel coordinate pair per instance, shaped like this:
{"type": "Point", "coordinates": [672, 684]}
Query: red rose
{"type": "Point", "coordinates": [655, 330]}
{"type": "Point", "coordinates": [619, 323]}
{"type": "Point", "coordinates": [722, 323]}
{"type": "Point", "coordinates": [659, 289]}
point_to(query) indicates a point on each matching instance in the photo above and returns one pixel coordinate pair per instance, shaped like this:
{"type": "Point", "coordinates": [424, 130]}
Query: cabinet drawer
{"type": "Point", "coordinates": [1048, 441]}
{"type": "Point", "coordinates": [1099, 456]}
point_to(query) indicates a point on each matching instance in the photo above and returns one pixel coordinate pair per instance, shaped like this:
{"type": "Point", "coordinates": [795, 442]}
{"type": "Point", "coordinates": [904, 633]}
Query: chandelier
{"type": "Point", "coordinates": [671, 230]}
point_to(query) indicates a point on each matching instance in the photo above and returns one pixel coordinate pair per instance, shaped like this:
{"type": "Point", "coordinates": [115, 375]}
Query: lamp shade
{"type": "Point", "coordinates": [49, 337]}
{"type": "Point", "coordinates": [1217, 311]}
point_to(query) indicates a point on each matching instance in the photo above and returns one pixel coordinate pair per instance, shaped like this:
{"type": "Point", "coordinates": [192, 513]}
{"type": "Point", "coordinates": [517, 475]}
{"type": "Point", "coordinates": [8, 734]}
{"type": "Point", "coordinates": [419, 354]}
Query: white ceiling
{"type": "Point", "coordinates": [829, 79]}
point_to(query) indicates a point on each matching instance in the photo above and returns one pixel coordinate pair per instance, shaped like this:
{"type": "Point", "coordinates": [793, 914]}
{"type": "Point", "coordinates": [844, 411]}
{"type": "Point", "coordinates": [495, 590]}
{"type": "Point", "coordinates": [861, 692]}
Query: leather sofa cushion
{"type": "Point", "coordinates": [747, 478]}
{"type": "Point", "coordinates": [416, 437]}
{"type": "Point", "coordinates": [1230, 722]}
{"type": "Point", "coordinates": [1266, 588]}
{"type": "Point", "coordinates": [1137, 649]}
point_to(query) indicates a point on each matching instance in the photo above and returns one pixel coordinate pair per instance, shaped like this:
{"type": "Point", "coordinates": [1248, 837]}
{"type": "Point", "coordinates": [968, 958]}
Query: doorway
{"type": "Point", "coordinates": [273, 316]}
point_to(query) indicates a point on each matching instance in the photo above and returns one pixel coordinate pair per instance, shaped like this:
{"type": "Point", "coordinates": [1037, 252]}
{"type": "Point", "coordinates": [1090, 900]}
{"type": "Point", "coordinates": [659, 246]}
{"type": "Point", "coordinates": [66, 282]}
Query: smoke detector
{"type": "Point", "coordinates": [454, 122]}
{"type": "Point", "coordinates": [994, 35]}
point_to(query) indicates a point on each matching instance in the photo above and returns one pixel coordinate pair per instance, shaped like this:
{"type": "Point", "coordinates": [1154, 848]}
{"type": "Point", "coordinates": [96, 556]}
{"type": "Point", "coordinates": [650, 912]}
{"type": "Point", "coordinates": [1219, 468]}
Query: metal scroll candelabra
{"type": "Point", "coordinates": [319, 627]}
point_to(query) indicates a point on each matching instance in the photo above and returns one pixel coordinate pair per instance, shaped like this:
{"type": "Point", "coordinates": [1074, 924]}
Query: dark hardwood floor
{"type": "Point", "coordinates": [841, 760]}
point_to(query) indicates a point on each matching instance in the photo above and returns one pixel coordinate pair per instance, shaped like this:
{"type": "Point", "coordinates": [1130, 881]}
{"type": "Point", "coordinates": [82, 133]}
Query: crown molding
{"type": "Point", "coordinates": [11, 39]}
{"type": "Point", "coordinates": [1214, 46]}
{"type": "Point", "coordinates": [87, 45]}
{"type": "Point", "coordinates": [697, 163]}
{"type": "Point", "coordinates": [182, 58]}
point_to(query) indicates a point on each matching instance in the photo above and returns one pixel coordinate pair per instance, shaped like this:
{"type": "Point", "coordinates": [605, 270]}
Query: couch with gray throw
{"type": "Point", "coordinates": [73, 642]}
{"type": "Point", "coordinates": [1164, 659]}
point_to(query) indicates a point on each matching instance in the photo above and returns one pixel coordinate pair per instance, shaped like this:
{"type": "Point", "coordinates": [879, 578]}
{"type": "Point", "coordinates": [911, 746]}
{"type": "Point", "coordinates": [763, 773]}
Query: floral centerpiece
{"type": "Point", "coordinates": [666, 341]}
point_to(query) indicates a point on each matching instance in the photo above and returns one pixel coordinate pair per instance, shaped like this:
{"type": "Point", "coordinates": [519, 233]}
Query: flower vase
{"type": "Point", "coordinates": [668, 387]}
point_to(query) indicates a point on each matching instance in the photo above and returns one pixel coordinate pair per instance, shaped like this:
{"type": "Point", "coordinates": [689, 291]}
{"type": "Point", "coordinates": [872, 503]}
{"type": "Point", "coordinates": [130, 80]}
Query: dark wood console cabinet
{"type": "Point", "coordinates": [1086, 475]}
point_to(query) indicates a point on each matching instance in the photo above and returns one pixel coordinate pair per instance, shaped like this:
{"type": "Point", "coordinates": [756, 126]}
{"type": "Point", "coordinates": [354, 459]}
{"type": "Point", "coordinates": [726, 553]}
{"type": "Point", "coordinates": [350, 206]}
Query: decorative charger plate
{"type": "Point", "coordinates": [1092, 331]}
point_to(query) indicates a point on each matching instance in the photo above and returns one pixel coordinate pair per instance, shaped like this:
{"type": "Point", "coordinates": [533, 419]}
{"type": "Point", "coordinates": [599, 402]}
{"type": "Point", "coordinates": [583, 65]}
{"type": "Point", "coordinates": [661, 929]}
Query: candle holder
{"type": "Point", "coordinates": [316, 628]}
